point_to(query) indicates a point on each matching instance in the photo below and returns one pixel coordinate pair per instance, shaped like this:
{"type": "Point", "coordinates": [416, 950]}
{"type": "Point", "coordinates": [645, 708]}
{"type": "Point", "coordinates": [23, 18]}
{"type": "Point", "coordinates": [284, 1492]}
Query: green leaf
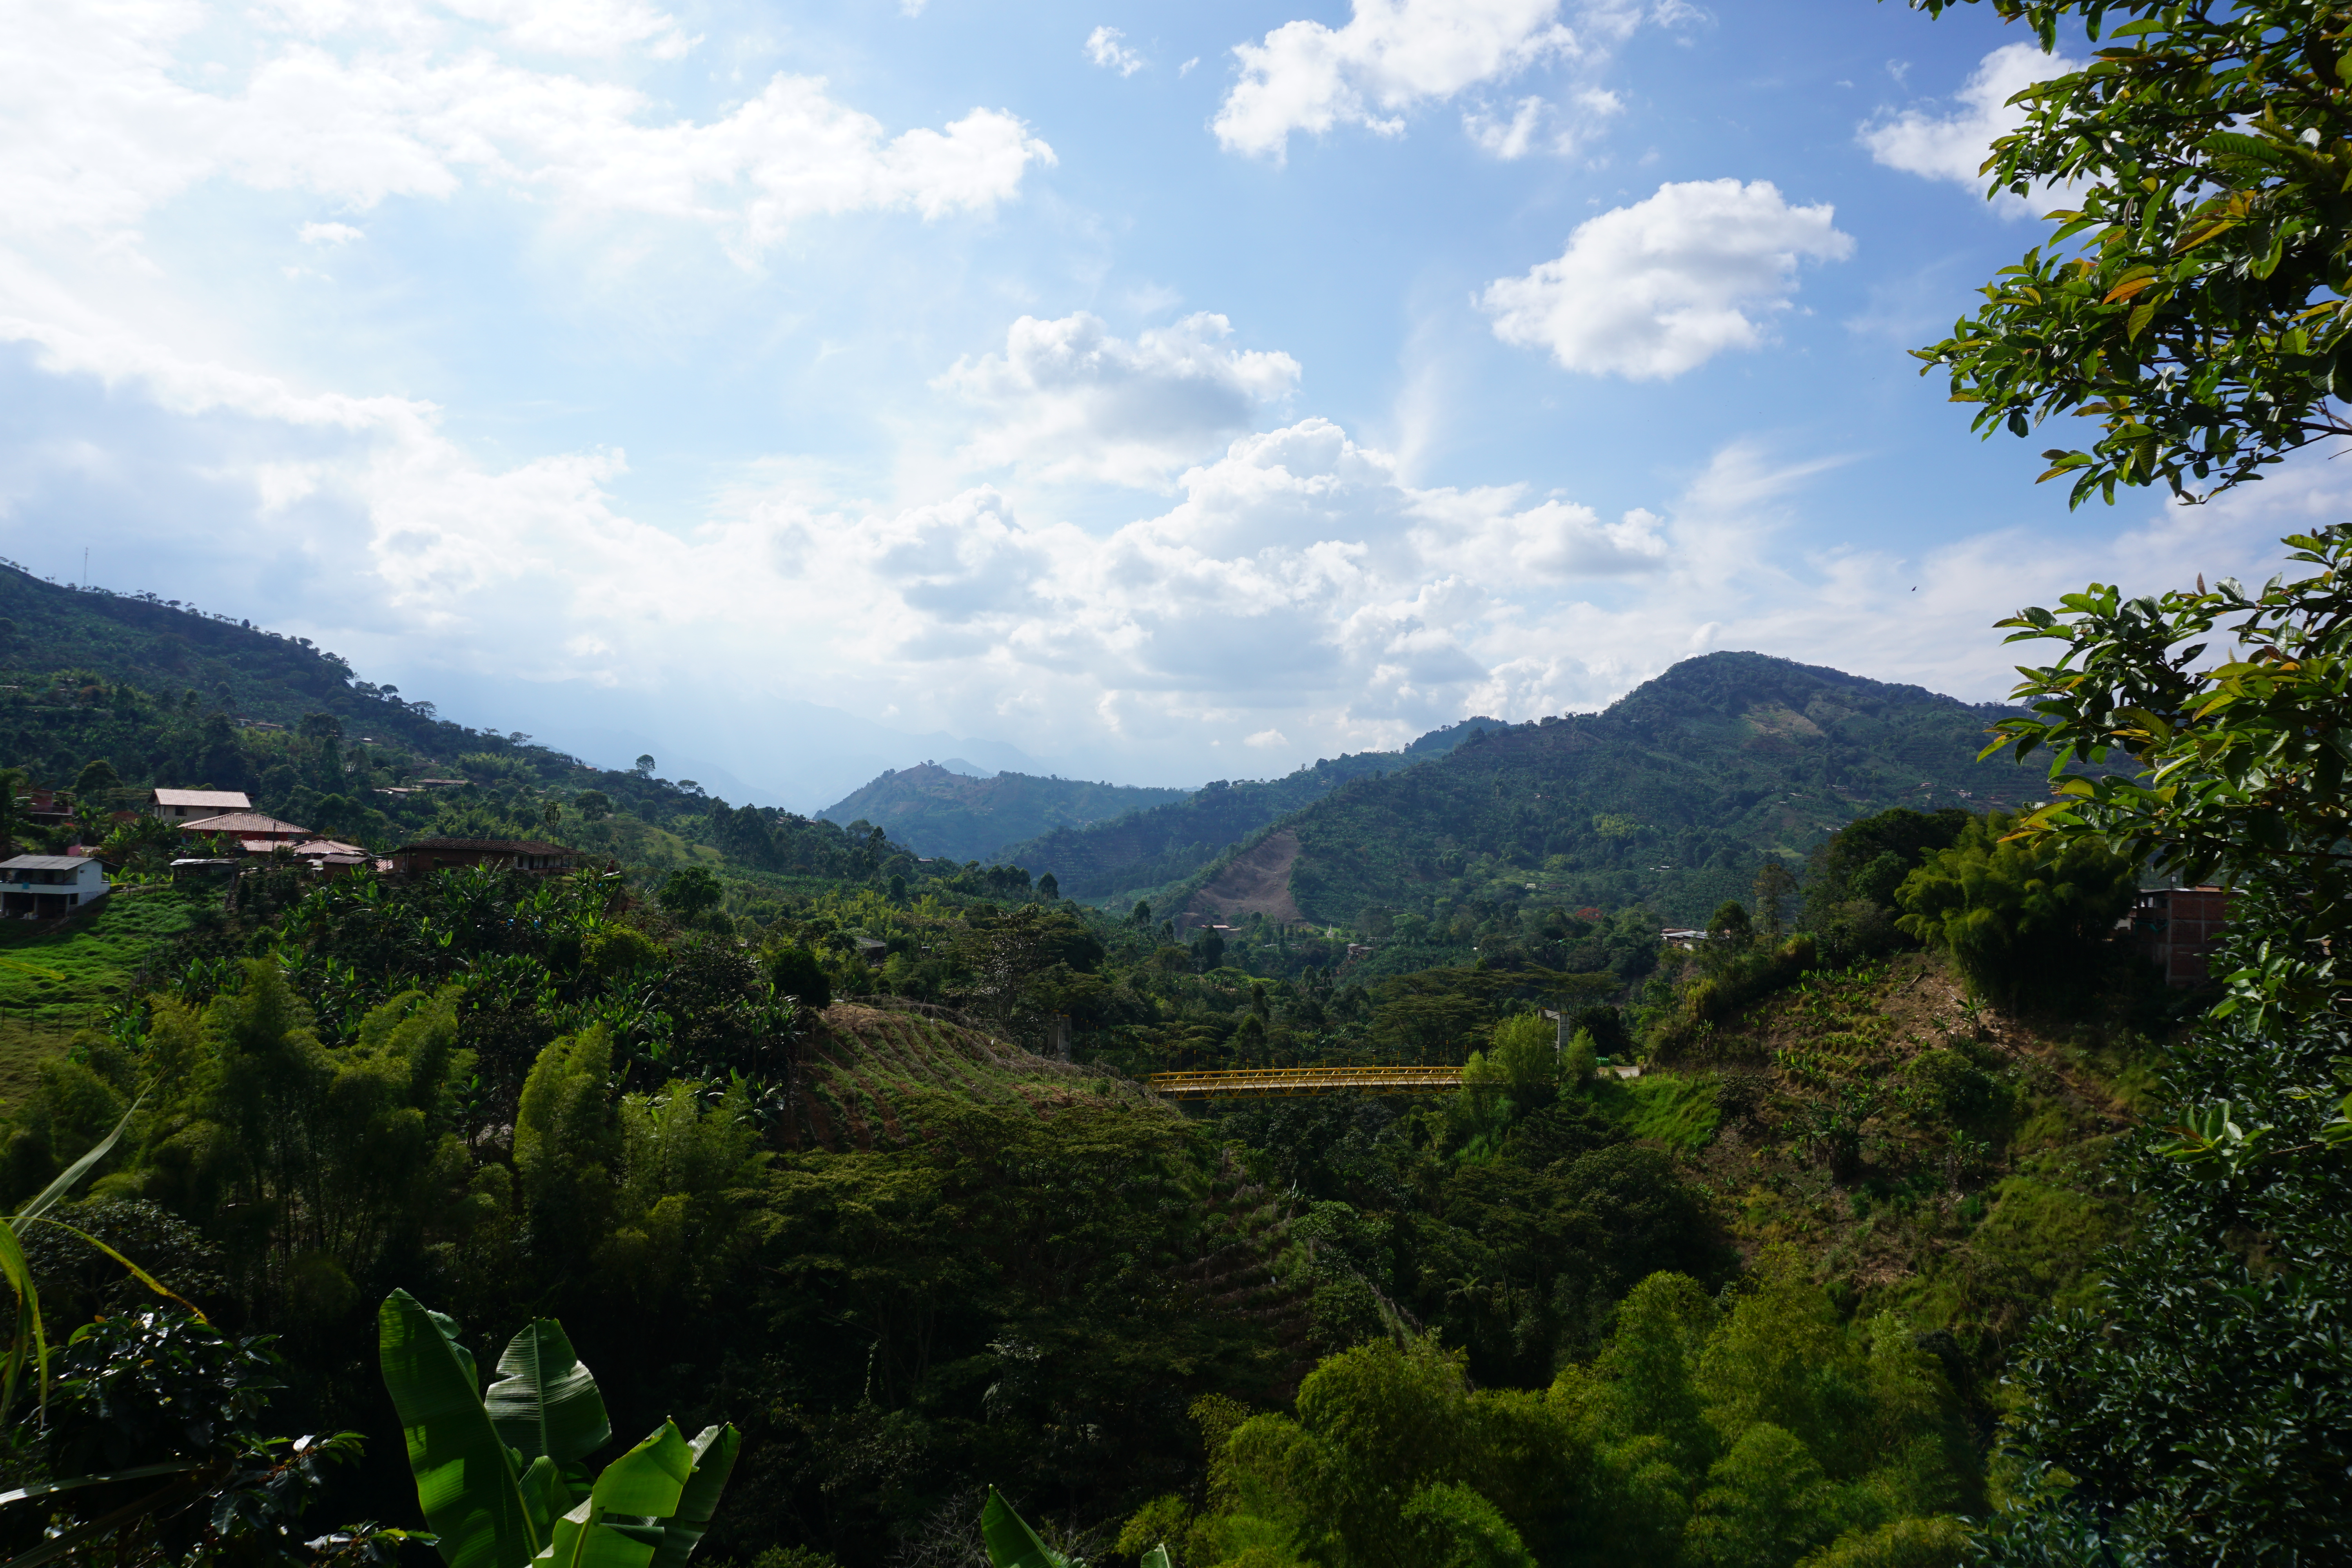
{"type": "Point", "coordinates": [582, 1539]}
{"type": "Point", "coordinates": [545, 1496]}
{"type": "Point", "coordinates": [29, 1342]}
{"type": "Point", "coordinates": [1157, 1557]}
{"type": "Point", "coordinates": [1009, 1541]}
{"type": "Point", "coordinates": [466, 1480]}
{"type": "Point", "coordinates": [714, 1460]}
{"type": "Point", "coordinates": [50, 1195]}
{"type": "Point", "coordinates": [545, 1402]}
{"type": "Point", "coordinates": [649, 1478]}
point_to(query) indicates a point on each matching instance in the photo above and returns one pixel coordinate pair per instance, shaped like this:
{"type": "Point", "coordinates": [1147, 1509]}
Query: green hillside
{"type": "Point", "coordinates": [165, 694]}
{"type": "Point", "coordinates": [1149, 848]}
{"type": "Point", "coordinates": [937, 812]}
{"type": "Point", "coordinates": [1670, 799]}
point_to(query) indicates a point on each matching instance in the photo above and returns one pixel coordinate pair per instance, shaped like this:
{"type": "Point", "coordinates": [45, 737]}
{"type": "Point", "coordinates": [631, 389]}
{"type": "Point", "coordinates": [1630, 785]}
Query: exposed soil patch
{"type": "Point", "coordinates": [1256, 883]}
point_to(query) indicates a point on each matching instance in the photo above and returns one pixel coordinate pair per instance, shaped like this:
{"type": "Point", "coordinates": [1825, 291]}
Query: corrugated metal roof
{"type": "Point", "coordinates": [224, 799]}
{"type": "Point", "coordinates": [45, 863]}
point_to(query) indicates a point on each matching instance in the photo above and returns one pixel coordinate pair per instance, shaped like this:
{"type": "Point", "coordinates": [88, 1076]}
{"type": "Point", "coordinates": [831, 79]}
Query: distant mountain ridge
{"type": "Point", "coordinates": [1672, 796]}
{"type": "Point", "coordinates": [960, 816]}
{"type": "Point", "coordinates": [1173, 841]}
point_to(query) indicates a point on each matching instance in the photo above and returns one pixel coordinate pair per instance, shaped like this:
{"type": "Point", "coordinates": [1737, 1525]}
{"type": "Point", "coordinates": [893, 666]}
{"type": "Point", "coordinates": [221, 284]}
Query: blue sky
{"type": "Point", "coordinates": [1156, 394]}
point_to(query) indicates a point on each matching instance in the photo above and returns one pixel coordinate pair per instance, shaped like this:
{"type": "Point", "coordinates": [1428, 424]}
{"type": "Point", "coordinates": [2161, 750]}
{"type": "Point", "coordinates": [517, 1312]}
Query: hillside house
{"type": "Point", "coordinates": [253, 832]}
{"type": "Point", "coordinates": [48, 808]}
{"type": "Point", "coordinates": [2179, 928]}
{"type": "Point", "coordinates": [43, 887]}
{"type": "Point", "coordinates": [427, 855]}
{"type": "Point", "coordinates": [194, 805]}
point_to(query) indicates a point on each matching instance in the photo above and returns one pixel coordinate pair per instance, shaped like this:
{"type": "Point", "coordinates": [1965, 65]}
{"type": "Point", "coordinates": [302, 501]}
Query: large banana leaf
{"type": "Point", "coordinates": [545, 1402]}
{"type": "Point", "coordinates": [466, 1480]}
{"type": "Point", "coordinates": [618, 1526]}
{"type": "Point", "coordinates": [1009, 1541]}
{"type": "Point", "coordinates": [714, 1460]}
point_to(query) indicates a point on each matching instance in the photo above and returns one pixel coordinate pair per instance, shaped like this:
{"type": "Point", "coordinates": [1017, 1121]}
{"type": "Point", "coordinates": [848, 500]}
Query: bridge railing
{"type": "Point", "coordinates": [1305, 1080]}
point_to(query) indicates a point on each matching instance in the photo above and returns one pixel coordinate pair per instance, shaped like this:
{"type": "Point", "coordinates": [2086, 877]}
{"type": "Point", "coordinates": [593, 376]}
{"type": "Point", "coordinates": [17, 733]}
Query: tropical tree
{"type": "Point", "coordinates": [691, 891]}
{"type": "Point", "coordinates": [2016, 914]}
{"type": "Point", "coordinates": [2191, 303]}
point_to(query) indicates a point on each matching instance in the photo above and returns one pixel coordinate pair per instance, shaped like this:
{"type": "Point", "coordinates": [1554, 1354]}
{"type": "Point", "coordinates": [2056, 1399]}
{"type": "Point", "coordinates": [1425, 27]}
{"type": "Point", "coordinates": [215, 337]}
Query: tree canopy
{"type": "Point", "coordinates": [2192, 298]}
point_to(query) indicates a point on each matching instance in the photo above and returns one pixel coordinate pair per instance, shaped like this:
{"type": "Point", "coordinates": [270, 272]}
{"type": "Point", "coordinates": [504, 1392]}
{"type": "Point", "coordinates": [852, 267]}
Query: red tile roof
{"type": "Point", "coordinates": [245, 823]}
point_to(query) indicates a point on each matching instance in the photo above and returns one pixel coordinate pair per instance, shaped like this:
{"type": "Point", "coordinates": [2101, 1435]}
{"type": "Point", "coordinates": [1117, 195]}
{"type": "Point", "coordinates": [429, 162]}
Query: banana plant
{"type": "Point", "coordinates": [28, 1345]}
{"type": "Point", "coordinates": [502, 1477]}
{"type": "Point", "coordinates": [1012, 1544]}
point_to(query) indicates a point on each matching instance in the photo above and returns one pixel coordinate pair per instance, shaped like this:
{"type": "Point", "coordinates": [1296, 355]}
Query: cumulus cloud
{"type": "Point", "coordinates": [1294, 585]}
{"type": "Point", "coordinates": [1067, 399]}
{"type": "Point", "coordinates": [1652, 291]}
{"type": "Point", "coordinates": [1954, 146]}
{"type": "Point", "coordinates": [1392, 56]}
{"type": "Point", "coordinates": [1104, 48]}
{"type": "Point", "coordinates": [99, 123]}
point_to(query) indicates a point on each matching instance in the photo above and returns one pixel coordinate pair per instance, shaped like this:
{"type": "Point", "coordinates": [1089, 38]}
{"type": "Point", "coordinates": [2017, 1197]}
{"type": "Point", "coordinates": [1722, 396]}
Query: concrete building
{"type": "Point", "coordinates": [2179, 928]}
{"type": "Point", "coordinates": [43, 887]}
{"type": "Point", "coordinates": [427, 855]}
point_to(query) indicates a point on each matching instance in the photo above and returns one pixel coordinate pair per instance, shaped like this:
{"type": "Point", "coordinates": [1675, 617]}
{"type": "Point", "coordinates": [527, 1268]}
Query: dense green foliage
{"type": "Point", "coordinates": [2204, 1407]}
{"type": "Point", "coordinates": [2017, 916]}
{"type": "Point", "coordinates": [1754, 1432]}
{"type": "Point", "coordinates": [2197, 1409]}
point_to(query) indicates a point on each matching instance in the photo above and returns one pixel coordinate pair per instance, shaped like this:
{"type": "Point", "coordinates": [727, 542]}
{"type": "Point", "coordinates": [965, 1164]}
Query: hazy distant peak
{"type": "Point", "coordinates": [968, 770]}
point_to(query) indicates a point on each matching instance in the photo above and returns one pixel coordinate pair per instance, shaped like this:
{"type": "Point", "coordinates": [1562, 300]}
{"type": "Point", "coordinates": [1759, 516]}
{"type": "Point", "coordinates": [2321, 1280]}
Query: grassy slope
{"type": "Point", "coordinates": [869, 1069]}
{"type": "Point", "coordinates": [56, 977]}
{"type": "Point", "coordinates": [1967, 1212]}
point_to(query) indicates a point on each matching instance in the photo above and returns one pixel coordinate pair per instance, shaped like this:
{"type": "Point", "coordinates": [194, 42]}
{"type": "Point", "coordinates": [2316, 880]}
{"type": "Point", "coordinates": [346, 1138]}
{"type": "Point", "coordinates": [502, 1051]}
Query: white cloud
{"type": "Point", "coordinates": [595, 27]}
{"type": "Point", "coordinates": [1954, 146]}
{"type": "Point", "coordinates": [1536, 124]}
{"type": "Point", "coordinates": [1652, 291]}
{"type": "Point", "coordinates": [1391, 57]}
{"type": "Point", "coordinates": [1296, 584]}
{"type": "Point", "coordinates": [1104, 48]}
{"type": "Point", "coordinates": [329, 234]}
{"type": "Point", "coordinates": [1067, 399]}
{"type": "Point", "coordinates": [98, 125]}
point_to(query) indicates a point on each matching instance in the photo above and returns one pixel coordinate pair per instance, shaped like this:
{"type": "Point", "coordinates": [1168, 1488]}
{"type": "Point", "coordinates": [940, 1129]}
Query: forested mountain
{"type": "Point", "coordinates": [1169, 842]}
{"type": "Point", "coordinates": [935, 812]}
{"type": "Point", "coordinates": [1671, 797]}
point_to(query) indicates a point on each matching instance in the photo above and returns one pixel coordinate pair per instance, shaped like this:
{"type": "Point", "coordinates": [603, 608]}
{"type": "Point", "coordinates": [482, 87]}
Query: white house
{"type": "Point", "coordinates": [43, 887]}
{"type": "Point", "coordinates": [194, 805]}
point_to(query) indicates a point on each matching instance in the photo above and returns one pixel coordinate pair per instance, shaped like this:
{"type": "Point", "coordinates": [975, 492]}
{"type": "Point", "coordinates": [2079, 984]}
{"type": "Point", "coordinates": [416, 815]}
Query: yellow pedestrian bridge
{"type": "Point", "coordinates": [1304, 1081]}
